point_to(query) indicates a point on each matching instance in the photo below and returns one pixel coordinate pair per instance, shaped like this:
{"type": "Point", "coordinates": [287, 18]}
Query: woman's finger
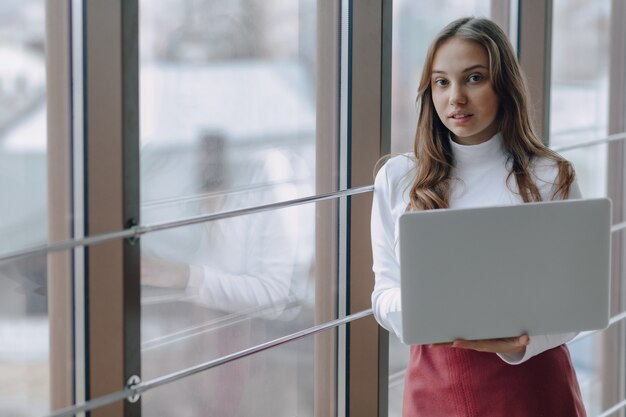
{"type": "Point", "coordinates": [504, 345]}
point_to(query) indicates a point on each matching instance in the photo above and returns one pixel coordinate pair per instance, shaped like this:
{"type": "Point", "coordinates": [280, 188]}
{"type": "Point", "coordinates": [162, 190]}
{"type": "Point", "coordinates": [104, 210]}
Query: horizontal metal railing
{"type": "Point", "coordinates": [140, 388]}
{"type": "Point", "coordinates": [197, 198]}
{"type": "Point", "coordinates": [613, 409]}
{"type": "Point", "coordinates": [615, 319]}
{"type": "Point", "coordinates": [397, 378]}
{"type": "Point", "coordinates": [137, 231]}
{"type": "Point", "coordinates": [214, 325]}
{"type": "Point", "coordinates": [618, 226]}
{"type": "Point", "coordinates": [585, 144]}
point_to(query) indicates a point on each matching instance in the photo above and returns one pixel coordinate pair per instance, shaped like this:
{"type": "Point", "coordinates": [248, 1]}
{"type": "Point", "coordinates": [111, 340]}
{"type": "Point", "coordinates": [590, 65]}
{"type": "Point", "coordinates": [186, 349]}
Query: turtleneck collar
{"type": "Point", "coordinates": [489, 150]}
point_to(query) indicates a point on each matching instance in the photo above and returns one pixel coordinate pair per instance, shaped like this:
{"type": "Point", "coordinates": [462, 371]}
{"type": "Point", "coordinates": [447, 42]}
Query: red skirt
{"type": "Point", "coordinates": [451, 382]}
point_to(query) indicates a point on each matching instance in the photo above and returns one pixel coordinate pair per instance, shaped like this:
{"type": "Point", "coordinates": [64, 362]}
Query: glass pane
{"type": "Point", "coordinates": [415, 24]}
{"type": "Point", "coordinates": [599, 383]}
{"type": "Point", "coordinates": [227, 103]}
{"type": "Point", "coordinates": [585, 354]}
{"type": "Point", "coordinates": [22, 125]}
{"type": "Point", "coordinates": [254, 280]}
{"type": "Point", "coordinates": [578, 112]}
{"type": "Point", "coordinates": [278, 382]}
{"type": "Point", "coordinates": [590, 164]}
{"type": "Point", "coordinates": [24, 351]}
{"type": "Point", "coordinates": [228, 121]}
{"type": "Point", "coordinates": [579, 89]}
{"type": "Point", "coordinates": [24, 332]}
{"type": "Point", "coordinates": [219, 287]}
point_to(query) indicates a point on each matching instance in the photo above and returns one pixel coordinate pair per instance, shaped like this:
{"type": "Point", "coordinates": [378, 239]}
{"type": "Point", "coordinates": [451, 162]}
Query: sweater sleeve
{"type": "Point", "coordinates": [386, 302]}
{"type": "Point", "coordinates": [239, 293]}
{"type": "Point", "coordinates": [264, 248]}
{"type": "Point", "coordinates": [541, 343]}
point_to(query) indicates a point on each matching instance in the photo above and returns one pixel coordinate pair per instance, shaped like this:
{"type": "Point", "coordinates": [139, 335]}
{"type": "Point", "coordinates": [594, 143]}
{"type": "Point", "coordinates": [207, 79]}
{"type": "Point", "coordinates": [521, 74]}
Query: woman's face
{"type": "Point", "coordinates": [462, 91]}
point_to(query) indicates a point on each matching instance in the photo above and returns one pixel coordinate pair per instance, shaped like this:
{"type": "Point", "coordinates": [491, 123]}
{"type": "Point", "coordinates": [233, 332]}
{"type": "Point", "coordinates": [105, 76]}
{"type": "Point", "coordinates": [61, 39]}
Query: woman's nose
{"type": "Point", "coordinates": [457, 95]}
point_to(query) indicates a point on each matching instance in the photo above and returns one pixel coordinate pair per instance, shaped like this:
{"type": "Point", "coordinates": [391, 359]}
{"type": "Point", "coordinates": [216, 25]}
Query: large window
{"type": "Point", "coordinates": [186, 197]}
{"type": "Point", "coordinates": [228, 121]}
{"type": "Point", "coordinates": [579, 91]}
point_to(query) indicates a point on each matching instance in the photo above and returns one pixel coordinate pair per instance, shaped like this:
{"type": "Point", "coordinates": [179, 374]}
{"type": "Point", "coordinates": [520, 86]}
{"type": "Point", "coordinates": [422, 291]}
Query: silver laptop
{"type": "Point", "coordinates": [482, 273]}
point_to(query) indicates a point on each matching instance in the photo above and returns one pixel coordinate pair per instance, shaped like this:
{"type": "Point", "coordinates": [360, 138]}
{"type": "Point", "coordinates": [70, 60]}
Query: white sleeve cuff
{"type": "Point", "coordinates": [196, 280]}
{"type": "Point", "coordinates": [519, 357]}
{"type": "Point", "coordinates": [537, 345]}
{"type": "Point", "coordinates": [395, 321]}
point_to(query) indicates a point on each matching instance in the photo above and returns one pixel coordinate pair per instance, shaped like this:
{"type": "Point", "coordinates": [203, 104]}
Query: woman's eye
{"type": "Point", "coordinates": [475, 78]}
{"type": "Point", "coordinates": [441, 83]}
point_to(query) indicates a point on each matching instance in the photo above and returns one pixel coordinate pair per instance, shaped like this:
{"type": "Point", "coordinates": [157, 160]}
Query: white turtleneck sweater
{"type": "Point", "coordinates": [479, 180]}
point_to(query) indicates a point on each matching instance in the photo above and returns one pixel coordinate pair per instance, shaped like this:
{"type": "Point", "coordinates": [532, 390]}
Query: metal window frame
{"type": "Point", "coordinates": [369, 138]}
{"type": "Point", "coordinates": [534, 53]}
{"type": "Point", "coordinates": [112, 140]}
{"type": "Point", "coordinates": [327, 214]}
{"type": "Point", "coordinates": [613, 348]}
{"type": "Point", "coordinates": [78, 199]}
{"type": "Point", "coordinates": [111, 172]}
{"type": "Point", "coordinates": [500, 12]}
{"type": "Point", "coordinates": [59, 146]}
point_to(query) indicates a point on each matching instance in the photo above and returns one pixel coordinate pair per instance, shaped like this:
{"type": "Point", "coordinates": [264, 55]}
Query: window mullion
{"type": "Point", "coordinates": [111, 198]}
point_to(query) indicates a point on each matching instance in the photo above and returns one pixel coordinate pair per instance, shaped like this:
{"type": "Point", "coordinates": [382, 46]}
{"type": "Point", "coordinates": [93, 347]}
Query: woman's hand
{"type": "Point", "coordinates": [505, 345]}
{"type": "Point", "coordinates": [164, 273]}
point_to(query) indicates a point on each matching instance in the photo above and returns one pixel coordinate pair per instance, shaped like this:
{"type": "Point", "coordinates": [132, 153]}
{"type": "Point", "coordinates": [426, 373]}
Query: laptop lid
{"type": "Point", "coordinates": [482, 273]}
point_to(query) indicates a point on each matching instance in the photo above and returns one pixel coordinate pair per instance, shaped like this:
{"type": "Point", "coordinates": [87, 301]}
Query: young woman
{"type": "Point", "coordinates": [474, 146]}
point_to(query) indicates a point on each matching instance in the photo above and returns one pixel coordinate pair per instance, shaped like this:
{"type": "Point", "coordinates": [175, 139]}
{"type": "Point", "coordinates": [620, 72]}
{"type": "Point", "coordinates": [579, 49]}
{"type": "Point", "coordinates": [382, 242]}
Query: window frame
{"type": "Point", "coordinates": [110, 68]}
{"type": "Point", "coordinates": [59, 268]}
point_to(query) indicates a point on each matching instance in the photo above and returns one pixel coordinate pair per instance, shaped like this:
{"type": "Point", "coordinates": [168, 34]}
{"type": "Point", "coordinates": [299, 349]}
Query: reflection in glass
{"type": "Point", "coordinates": [249, 281]}
{"type": "Point", "coordinates": [240, 263]}
{"type": "Point", "coordinates": [227, 122]}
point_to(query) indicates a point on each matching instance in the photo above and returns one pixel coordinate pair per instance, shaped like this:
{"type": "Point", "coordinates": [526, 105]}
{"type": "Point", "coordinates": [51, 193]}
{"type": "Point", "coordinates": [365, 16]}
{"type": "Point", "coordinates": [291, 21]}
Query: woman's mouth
{"type": "Point", "coordinates": [460, 117]}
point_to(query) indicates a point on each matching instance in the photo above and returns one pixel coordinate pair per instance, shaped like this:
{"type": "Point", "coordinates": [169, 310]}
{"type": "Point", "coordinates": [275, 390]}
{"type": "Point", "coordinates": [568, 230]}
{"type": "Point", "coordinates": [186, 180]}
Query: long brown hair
{"type": "Point", "coordinates": [433, 153]}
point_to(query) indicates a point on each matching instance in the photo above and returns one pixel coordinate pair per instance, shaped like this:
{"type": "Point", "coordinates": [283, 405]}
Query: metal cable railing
{"type": "Point", "coordinates": [240, 190]}
{"type": "Point", "coordinates": [397, 378]}
{"type": "Point", "coordinates": [213, 325]}
{"type": "Point", "coordinates": [615, 319]}
{"type": "Point", "coordinates": [618, 226]}
{"type": "Point", "coordinates": [137, 231]}
{"type": "Point", "coordinates": [613, 409]}
{"type": "Point", "coordinates": [133, 391]}
{"type": "Point", "coordinates": [585, 144]}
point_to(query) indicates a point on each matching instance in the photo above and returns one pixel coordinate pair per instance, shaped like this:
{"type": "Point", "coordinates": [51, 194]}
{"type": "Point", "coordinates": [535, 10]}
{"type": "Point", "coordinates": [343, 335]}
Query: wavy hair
{"type": "Point", "coordinates": [433, 153]}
